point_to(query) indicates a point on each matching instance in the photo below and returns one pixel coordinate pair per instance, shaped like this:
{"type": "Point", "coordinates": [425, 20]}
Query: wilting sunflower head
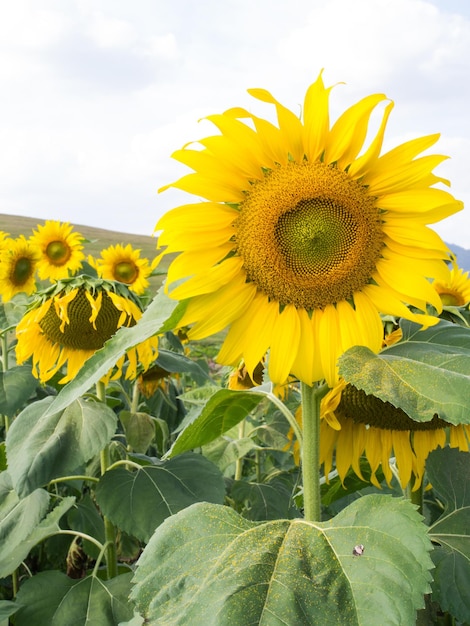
{"type": "Point", "coordinates": [18, 262]}
{"type": "Point", "coordinates": [124, 265]}
{"type": "Point", "coordinates": [368, 426]}
{"type": "Point", "coordinates": [74, 318]}
{"type": "Point", "coordinates": [305, 235]}
{"type": "Point", "coordinates": [61, 250]}
{"type": "Point", "coordinates": [456, 290]}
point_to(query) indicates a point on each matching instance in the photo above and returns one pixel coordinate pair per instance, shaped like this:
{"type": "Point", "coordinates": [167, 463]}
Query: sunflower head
{"type": "Point", "coordinates": [61, 250]}
{"type": "Point", "coordinates": [305, 236]}
{"type": "Point", "coordinates": [19, 259]}
{"type": "Point", "coordinates": [455, 291]}
{"type": "Point", "coordinates": [71, 320]}
{"type": "Point", "coordinates": [123, 264]}
{"type": "Point", "coordinates": [365, 425]}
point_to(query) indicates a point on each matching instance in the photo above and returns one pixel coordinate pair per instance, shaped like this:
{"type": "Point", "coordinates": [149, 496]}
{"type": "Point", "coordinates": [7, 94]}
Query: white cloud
{"type": "Point", "coordinates": [99, 93]}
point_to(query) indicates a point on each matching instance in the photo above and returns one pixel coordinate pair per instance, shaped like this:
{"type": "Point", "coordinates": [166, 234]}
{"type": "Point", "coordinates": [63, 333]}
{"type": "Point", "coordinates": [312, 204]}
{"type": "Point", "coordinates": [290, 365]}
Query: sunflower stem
{"type": "Point", "coordinates": [135, 398]}
{"type": "Point", "coordinates": [239, 462]}
{"type": "Point", "coordinates": [311, 400]}
{"type": "Point", "coordinates": [109, 530]}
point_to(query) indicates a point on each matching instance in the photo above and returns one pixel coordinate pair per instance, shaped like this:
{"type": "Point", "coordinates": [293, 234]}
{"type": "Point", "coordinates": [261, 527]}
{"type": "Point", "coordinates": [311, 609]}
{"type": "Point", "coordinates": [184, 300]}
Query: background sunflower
{"type": "Point", "coordinates": [61, 250]}
{"type": "Point", "coordinates": [123, 263]}
{"type": "Point", "coordinates": [19, 259]}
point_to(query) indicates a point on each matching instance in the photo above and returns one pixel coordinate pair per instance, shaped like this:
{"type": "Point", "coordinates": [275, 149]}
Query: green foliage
{"type": "Point", "coordinates": [139, 501]}
{"type": "Point", "coordinates": [449, 473]}
{"type": "Point", "coordinates": [54, 599]}
{"type": "Point", "coordinates": [286, 572]}
{"type": "Point", "coordinates": [223, 410]}
{"type": "Point", "coordinates": [428, 372]}
{"type": "Point", "coordinates": [42, 446]}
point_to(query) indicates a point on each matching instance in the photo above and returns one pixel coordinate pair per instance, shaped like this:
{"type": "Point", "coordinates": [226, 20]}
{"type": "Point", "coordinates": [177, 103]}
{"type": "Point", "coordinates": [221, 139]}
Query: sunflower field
{"type": "Point", "coordinates": [280, 434]}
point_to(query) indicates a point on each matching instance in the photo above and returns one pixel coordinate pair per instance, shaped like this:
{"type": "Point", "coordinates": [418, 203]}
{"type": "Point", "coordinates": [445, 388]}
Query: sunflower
{"type": "Point", "coordinates": [456, 290]}
{"type": "Point", "coordinates": [18, 262]}
{"type": "Point", "coordinates": [355, 424]}
{"type": "Point", "coordinates": [4, 238]}
{"type": "Point", "coordinates": [302, 238]}
{"type": "Point", "coordinates": [61, 250]}
{"type": "Point", "coordinates": [124, 265]}
{"type": "Point", "coordinates": [74, 318]}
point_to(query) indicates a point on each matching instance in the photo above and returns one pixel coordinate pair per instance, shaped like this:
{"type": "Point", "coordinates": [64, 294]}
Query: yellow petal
{"type": "Point", "coordinates": [284, 344]}
{"type": "Point", "coordinates": [362, 164]}
{"type": "Point", "coordinates": [316, 119]}
{"type": "Point", "coordinates": [211, 280]}
{"type": "Point", "coordinates": [349, 131]}
{"type": "Point", "coordinates": [404, 176]}
{"type": "Point", "coordinates": [289, 124]}
{"type": "Point", "coordinates": [195, 262]}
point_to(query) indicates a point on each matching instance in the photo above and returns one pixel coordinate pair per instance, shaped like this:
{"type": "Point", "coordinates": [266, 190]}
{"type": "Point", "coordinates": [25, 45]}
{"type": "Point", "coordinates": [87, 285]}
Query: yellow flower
{"type": "Point", "coordinates": [74, 318]}
{"type": "Point", "coordinates": [305, 236]}
{"type": "Point", "coordinates": [4, 239]}
{"type": "Point", "coordinates": [18, 262]}
{"type": "Point", "coordinates": [61, 250]}
{"type": "Point", "coordinates": [124, 265]}
{"type": "Point", "coordinates": [241, 380]}
{"type": "Point", "coordinates": [456, 290]}
{"type": "Point", "coordinates": [369, 426]}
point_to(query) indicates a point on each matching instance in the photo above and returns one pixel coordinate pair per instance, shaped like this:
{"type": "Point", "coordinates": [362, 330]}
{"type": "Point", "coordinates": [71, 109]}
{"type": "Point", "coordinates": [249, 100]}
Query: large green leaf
{"type": "Point", "coordinates": [449, 473]}
{"type": "Point", "coordinates": [428, 372]}
{"type": "Point", "coordinates": [208, 566]}
{"type": "Point", "coordinates": [138, 502]}
{"type": "Point", "coordinates": [161, 315]}
{"type": "Point", "coordinates": [43, 445]}
{"type": "Point", "coordinates": [223, 410]}
{"type": "Point", "coordinates": [18, 518]}
{"type": "Point", "coordinates": [84, 517]}
{"type": "Point", "coordinates": [16, 386]}
{"type": "Point", "coordinates": [264, 501]}
{"type": "Point", "coordinates": [13, 554]}
{"type": "Point", "coordinates": [54, 599]}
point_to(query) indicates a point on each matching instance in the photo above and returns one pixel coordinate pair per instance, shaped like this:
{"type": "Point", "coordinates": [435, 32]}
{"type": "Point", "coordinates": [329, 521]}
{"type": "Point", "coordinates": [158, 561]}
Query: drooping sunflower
{"type": "Point", "coordinates": [303, 239]}
{"type": "Point", "coordinates": [18, 262]}
{"type": "Point", "coordinates": [456, 290]}
{"type": "Point", "coordinates": [61, 250]}
{"type": "Point", "coordinates": [358, 424]}
{"type": "Point", "coordinates": [123, 263]}
{"type": "Point", "coordinates": [74, 318]}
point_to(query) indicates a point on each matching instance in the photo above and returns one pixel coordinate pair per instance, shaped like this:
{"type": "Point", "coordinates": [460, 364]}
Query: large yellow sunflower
{"type": "Point", "coordinates": [303, 239]}
{"type": "Point", "coordinates": [74, 318]}
{"type": "Point", "coordinates": [61, 250]}
{"type": "Point", "coordinates": [18, 263]}
{"type": "Point", "coordinates": [356, 424]}
{"type": "Point", "coordinates": [456, 290]}
{"type": "Point", "coordinates": [124, 265]}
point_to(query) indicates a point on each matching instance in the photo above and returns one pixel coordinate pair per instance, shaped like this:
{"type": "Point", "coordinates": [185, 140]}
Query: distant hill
{"type": "Point", "coordinates": [463, 256]}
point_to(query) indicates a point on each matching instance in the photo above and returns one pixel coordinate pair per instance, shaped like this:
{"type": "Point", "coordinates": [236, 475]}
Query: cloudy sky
{"type": "Point", "coordinates": [97, 94]}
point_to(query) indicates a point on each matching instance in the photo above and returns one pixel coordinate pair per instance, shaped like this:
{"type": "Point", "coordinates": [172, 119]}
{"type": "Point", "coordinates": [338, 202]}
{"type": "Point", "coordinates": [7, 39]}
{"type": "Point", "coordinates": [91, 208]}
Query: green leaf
{"type": "Point", "coordinates": [291, 573]}
{"type": "Point", "coordinates": [139, 429]}
{"type": "Point", "coordinates": [85, 518]}
{"type": "Point", "coordinates": [137, 502]}
{"type": "Point", "coordinates": [42, 446]}
{"type": "Point", "coordinates": [428, 372]}
{"type": "Point", "coordinates": [13, 554]}
{"type": "Point", "coordinates": [264, 501]}
{"type": "Point", "coordinates": [223, 410]}
{"type": "Point", "coordinates": [449, 473]}
{"type": "Point", "coordinates": [53, 599]}
{"type": "Point", "coordinates": [18, 518]}
{"type": "Point", "coordinates": [161, 315]}
{"type": "Point", "coordinates": [7, 608]}
{"type": "Point", "coordinates": [16, 386]}
{"type": "Point", "coordinates": [224, 451]}
{"type": "Point", "coordinates": [174, 362]}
